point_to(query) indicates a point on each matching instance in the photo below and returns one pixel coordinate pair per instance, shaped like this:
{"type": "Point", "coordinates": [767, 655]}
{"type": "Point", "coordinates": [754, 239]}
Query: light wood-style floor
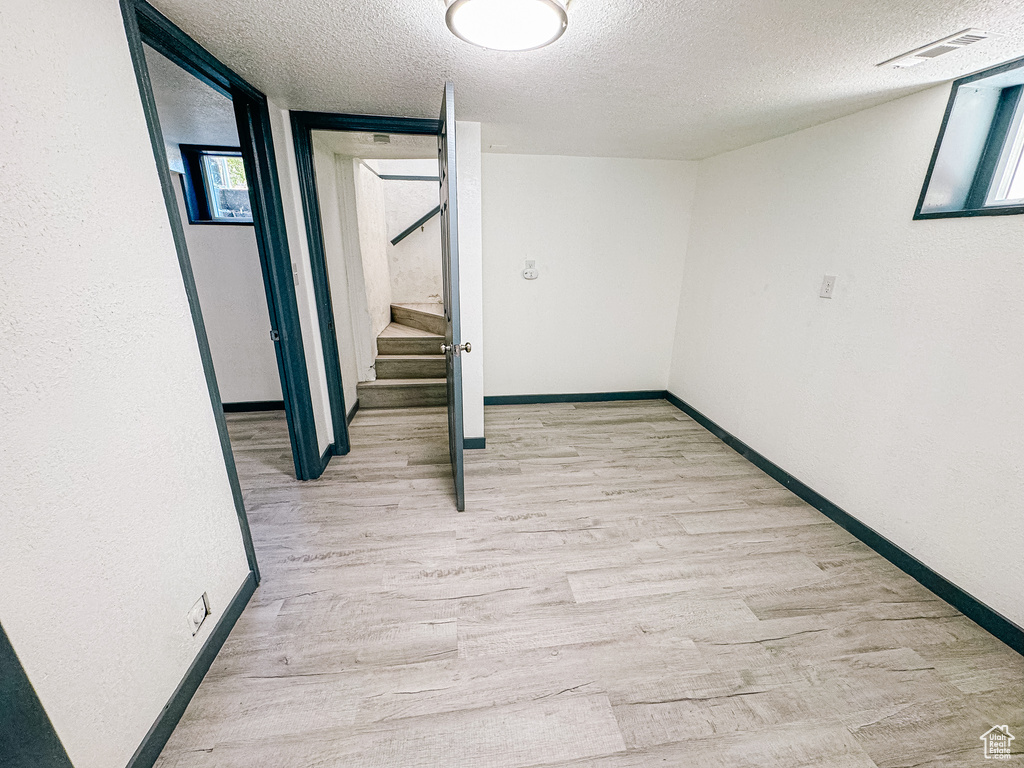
{"type": "Point", "coordinates": [623, 591]}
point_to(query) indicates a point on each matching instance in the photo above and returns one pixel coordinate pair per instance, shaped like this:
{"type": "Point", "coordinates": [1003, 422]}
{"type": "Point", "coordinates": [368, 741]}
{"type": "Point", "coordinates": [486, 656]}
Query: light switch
{"type": "Point", "coordinates": [827, 286]}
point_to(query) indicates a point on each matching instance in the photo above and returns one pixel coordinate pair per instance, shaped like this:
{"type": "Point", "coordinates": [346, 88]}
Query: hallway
{"type": "Point", "coordinates": [623, 590]}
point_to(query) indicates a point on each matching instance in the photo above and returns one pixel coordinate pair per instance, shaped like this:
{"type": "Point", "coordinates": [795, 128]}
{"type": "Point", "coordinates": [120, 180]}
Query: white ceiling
{"type": "Point", "coordinates": [190, 111]}
{"type": "Point", "coordinates": [681, 79]}
{"type": "Point", "coordinates": [362, 145]}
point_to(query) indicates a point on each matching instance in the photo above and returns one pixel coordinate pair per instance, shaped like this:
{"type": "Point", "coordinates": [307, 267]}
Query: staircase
{"type": "Point", "coordinates": [410, 366]}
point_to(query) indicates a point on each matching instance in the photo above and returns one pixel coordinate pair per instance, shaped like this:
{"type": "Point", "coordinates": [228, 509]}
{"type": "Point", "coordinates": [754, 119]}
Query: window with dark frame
{"type": "Point", "coordinates": [977, 168]}
{"type": "Point", "coordinates": [214, 184]}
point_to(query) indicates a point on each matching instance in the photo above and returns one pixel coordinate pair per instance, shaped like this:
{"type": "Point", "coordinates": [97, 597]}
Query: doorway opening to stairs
{"type": "Point", "coordinates": [379, 215]}
{"type": "Point", "coordinates": [378, 200]}
{"type": "Point", "coordinates": [332, 182]}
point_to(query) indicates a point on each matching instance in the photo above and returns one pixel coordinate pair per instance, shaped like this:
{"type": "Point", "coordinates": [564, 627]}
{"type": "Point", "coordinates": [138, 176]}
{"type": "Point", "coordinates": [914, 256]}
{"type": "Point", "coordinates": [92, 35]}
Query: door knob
{"type": "Point", "coordinates": [456, 349]}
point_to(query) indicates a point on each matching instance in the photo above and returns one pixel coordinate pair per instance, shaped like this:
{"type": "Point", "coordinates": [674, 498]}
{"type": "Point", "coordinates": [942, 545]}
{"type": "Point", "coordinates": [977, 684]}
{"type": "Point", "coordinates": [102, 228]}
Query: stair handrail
{"type": "Point", "coordinates": [423, 220]}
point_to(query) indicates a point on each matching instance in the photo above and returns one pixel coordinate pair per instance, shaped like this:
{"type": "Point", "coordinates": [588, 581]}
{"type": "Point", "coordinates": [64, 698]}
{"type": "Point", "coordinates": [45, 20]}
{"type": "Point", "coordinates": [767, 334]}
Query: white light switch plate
{"type": "Point", "coordinates": [828, 285]}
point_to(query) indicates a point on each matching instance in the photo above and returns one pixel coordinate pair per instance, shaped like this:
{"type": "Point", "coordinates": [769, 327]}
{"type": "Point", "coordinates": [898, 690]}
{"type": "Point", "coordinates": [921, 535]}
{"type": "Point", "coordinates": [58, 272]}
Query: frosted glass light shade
{"type": "Point", "coordinates": [507, 25]}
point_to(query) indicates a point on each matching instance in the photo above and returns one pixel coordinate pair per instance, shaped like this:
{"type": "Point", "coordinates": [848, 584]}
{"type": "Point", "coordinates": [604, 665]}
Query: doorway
{"type": "Point", "coordinates": [211, 191]}
{"type": "Point", "coordinates": [147, 27]}
{"type": "Point", "coordinates": [379, 211]}
{"type": "Point", "coordinates": [347, 165]}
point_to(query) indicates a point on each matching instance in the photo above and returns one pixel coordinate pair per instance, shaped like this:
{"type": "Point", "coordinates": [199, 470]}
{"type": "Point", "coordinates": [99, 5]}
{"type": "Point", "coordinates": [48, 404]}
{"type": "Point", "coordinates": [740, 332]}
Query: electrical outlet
{"type": "Point", "coordinates": [828, 285]}
{"type": "Point", "coordinates": [198, 613]}
{"type": "Point", "coordinates": [531, 273]}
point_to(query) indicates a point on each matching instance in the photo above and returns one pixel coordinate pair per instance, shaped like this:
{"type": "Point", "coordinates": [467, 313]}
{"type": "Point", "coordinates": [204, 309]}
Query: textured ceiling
{"type": "Point", "coordinates": [362, 145]}
{"type": "Point", "coordinates": [679, 79]}
{"type": "Point", "coordinates": [190, 111]}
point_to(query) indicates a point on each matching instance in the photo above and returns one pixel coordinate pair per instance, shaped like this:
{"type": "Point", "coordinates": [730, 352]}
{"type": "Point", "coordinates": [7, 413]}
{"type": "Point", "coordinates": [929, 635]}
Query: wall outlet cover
{"type": "Point", "coordinates": [197, 613]}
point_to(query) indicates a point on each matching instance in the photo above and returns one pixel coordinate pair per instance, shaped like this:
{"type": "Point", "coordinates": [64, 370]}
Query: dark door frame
{"type": "Point", "coordinates": [145, 25]}
{"type": "Point", "coordinates": [303, 125]}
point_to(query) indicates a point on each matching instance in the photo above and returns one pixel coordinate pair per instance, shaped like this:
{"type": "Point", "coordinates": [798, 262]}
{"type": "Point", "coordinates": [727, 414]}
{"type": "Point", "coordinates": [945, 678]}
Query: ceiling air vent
{"type": "Point", "coordinates": [939, 48]}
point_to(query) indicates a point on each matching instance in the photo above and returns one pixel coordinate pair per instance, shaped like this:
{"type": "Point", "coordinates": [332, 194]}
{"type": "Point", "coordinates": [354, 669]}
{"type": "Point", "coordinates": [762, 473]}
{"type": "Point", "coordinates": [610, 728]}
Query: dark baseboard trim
{"type": "Point", "coordinates": [579, 397]}
{"type": "Point", "coordinates": [147, 753]}
{"type": "Point", "coordinates": [971, 607]}
{"type": "Point", "coordinates": [474, 443]}
{"type": "Point", "coordinates": [353, 412]}
{"type": "Point", "coordinates": [254, 405]}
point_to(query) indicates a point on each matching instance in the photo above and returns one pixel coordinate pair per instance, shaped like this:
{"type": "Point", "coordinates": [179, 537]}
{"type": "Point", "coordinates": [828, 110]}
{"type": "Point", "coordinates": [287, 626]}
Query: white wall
{"type": "Point", "coordinates": [115, 506]}
{"type": "Point", "coordinates": [325, 167]}
{"type": "Point", "coordinates": [302, 274]}
{"type": "Point", "coordinates": [900, 398]}
{"type": "Point", "coordinates": [225, 259]}
{"type": "Point", "coordinates": [415, 263]}
{"type": "Point", "coordinates": [468, 168]}
{"type": "Point", "coordinates": [233, 299]}
{"type": "Point", "coordinates": [608, 236]}
{"type": "Point", "coordinates": [373, 246]}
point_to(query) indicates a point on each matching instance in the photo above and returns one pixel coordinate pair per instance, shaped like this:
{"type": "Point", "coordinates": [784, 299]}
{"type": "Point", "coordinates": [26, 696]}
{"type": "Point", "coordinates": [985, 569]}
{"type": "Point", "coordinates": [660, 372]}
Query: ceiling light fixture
{"type": "Point", "coordinates": [507, 25]}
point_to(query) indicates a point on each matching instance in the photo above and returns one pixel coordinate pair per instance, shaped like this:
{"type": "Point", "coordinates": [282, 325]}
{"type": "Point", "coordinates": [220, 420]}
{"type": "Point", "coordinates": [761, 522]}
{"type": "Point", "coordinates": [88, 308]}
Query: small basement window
{"type": "Point", "coordinates": [977, 168]}
{"type": "Point", "coordinates": [216, 190]}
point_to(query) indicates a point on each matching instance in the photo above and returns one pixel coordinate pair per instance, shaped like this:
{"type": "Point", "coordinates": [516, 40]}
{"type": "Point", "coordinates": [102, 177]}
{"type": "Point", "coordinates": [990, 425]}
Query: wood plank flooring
{"type": "Point", "coordinates": [623, 591]}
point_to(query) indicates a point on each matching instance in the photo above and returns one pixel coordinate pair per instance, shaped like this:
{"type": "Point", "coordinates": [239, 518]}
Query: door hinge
{"type": "Point", "coordinates": [274, 335]}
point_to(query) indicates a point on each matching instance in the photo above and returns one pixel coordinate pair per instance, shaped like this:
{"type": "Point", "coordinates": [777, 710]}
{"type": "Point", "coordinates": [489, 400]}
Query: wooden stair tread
{"type": "Point", "coordinates": [399, 331]}
{"type": "Point", "coordinates": [402, 383]}
{"type": "Point", "coordinates": [438, 356]}
{"type": "Point", "coordinates": [410, 365]}
{"type": "Point", "coordinates": [427, 309]}
{"type": "Point", "coordinates": [424, 316]}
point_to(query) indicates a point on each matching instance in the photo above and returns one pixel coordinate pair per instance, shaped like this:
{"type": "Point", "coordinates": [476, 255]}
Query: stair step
{"type": "Point", "coordinates": [419, 317]}
{"type": "Point", "coordinates": [410, 366]}
{"type": "Point", "coordinates": [402, 393]}
{"type": "Point", "coordinates": [399, 339]}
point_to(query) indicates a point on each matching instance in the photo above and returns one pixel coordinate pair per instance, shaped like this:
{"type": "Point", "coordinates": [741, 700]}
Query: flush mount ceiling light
{"type": "Point", "coordinates": [507, 25]}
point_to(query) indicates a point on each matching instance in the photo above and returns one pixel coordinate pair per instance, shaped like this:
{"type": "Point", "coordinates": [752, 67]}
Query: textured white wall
{"type": "Point", "coordinates": [233, 299]}
{"type": "Point", "coordinates": [415, 263]}
{"type": "Point", "coordinates": [468, 162]}
{"type": "Point", "coordinates": [115, 506]}
{"type": "Point", "coordinates": [302, 273]}
{"type": "Point", "coordinates": [324, 165]}
{"type": "Point", "coordinates": [898, 399]}
{"type": "Point", "coordinates": [224, 258]}
{"type": "Point", "coordinates": [608, 236]}
{"type": "Point", "coordinates": [373, 246]}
